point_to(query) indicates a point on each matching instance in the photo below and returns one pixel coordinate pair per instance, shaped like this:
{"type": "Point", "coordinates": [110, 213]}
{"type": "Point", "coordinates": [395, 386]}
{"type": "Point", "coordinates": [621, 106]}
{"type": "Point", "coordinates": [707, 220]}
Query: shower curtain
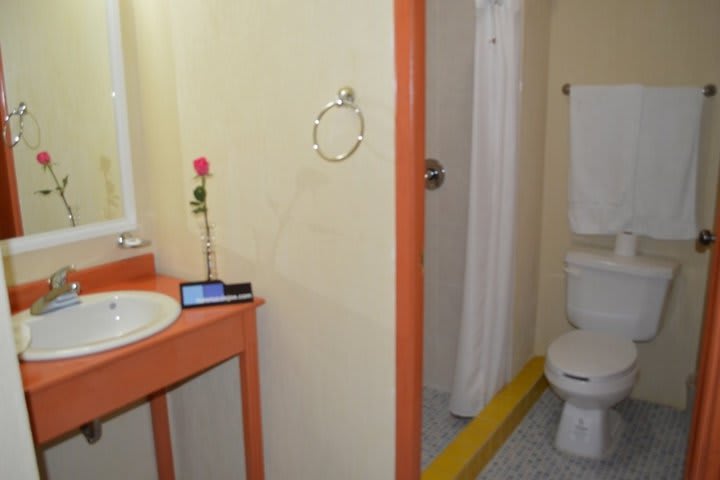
{"type": "Point", "coordinates": [483, 356]}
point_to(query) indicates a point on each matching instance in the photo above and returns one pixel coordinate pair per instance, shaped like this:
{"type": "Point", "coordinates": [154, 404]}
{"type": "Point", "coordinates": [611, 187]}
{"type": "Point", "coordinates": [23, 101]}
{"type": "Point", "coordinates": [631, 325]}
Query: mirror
{"type": "Point", "coordinates": [63, 60]}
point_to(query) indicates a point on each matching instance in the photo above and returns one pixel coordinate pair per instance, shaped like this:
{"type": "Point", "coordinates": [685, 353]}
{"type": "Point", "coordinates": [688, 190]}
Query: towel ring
{"type": "Point", "coordinates": [345, 99]}
{"type": "Point", "coordinates": [19, 112]}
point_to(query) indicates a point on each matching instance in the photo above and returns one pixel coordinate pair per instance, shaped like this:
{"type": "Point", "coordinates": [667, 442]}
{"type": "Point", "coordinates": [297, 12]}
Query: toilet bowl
{"type": "Point", "coordinates": [613, 301]}
{"type": "Point", "coordinates": [591, 371]}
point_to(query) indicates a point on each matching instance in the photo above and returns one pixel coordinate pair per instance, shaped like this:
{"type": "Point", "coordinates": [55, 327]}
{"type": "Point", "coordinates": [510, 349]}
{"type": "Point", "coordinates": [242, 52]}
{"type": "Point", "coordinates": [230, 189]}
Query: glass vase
{"type": "Point", "coordinates": [71, 213]}
{"type": "Point", "coordinates": [207, 238]}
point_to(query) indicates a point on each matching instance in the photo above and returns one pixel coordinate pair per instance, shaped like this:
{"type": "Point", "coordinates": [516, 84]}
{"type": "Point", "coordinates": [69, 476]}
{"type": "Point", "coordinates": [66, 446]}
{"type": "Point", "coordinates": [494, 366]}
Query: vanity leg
{"type": "Point", "coordinates": [250, 390]}
{"type": "Point", "coordinates": [161, 433]}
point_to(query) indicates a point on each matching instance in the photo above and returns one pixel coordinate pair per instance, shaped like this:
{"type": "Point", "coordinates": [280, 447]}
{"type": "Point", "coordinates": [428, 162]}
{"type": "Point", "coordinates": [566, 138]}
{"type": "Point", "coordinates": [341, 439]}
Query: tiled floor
{"type": "Point", "coordinates": [439, 426]}
{"type": "Point", "coordinates": [477, 440]}
{"type": "Point", "coordinates": [652, 446]}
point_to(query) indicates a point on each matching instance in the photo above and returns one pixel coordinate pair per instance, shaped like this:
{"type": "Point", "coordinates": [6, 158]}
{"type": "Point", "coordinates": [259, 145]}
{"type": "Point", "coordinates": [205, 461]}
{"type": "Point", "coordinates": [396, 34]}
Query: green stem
{"type": "Point", "coordinates": [61, 191]}
{"type": "Point", "coordinates": [205, 209]}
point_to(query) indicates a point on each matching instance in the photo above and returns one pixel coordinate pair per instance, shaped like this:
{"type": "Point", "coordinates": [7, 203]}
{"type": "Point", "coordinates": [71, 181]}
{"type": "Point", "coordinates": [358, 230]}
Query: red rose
{"type": "Point", "coordinates": [43, 158]}
{"type": "Point", "coordinates": [202, 167]}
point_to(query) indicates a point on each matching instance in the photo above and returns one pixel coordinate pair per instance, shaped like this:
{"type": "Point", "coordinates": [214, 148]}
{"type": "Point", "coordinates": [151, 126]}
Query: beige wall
{"type": "Point", "coordinates": [536, 43]}
{"type": "Point", "coordinates": [656, 42]}
{"type": "Point", "coordinates": [450, 40]}
{"type": "Point", "coordinates": [240, 83]}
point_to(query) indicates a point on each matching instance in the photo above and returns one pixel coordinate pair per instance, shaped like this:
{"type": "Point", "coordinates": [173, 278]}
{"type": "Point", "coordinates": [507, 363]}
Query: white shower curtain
{"type": "Point", "coordinates": [483, 356]}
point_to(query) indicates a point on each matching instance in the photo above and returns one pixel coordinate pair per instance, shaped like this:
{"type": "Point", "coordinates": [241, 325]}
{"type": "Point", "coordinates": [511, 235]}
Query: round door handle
{"type": "Point", "coordinates": [434, 174]}
{"type": "Point", "coordinates": [706, 237]}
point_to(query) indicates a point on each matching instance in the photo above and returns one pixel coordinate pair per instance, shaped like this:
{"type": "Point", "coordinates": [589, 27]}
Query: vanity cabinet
{"type": "Point", "coordinates": [63, 395]}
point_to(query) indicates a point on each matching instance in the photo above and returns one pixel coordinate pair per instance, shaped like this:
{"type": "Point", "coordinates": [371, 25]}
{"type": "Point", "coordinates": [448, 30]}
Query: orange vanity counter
{"type": "Point", "coordinates": [62, 395]}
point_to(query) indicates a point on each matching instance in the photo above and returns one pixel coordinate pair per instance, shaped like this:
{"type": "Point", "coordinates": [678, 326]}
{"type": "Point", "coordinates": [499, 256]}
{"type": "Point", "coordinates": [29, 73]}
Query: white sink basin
{"type": "Point", "coordinates": [100, 322]}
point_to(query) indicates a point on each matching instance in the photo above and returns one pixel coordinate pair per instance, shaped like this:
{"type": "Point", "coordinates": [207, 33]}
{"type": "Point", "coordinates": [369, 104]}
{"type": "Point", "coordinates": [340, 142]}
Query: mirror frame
{"type": "Point", "coordinates": [128, 221]}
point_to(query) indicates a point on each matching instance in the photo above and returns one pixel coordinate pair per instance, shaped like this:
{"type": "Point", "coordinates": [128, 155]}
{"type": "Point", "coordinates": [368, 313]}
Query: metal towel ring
{"type": "Point", "coordinates": [20, 111]}
{"type": "Point", "coordinates": [345, 98]}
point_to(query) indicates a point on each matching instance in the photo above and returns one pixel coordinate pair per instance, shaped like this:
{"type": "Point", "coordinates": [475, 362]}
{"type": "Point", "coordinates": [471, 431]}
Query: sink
{"type": "Point", "coordinates": [100, 322]}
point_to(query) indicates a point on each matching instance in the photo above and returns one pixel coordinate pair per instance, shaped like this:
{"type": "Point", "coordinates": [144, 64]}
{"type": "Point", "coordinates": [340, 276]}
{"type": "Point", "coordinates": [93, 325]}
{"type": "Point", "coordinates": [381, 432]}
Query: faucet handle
{"type": "Point", "coordinates": [59, 278]}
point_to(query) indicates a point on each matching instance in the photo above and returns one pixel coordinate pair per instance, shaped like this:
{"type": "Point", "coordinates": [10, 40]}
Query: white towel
{"type": "Point", "coordinates": [667, 158]}
{"type": "Point", "coordinates": [604, 126]}
{"type": "Point", "coordinates": [634, 160]}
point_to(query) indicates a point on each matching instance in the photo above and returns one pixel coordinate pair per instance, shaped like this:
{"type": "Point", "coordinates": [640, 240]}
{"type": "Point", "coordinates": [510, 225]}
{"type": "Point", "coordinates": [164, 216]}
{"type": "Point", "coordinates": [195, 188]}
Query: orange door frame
{"type": "Point", "coordinates": [10, 219]}
{"type": "Point", "coordinates": [410, 217]}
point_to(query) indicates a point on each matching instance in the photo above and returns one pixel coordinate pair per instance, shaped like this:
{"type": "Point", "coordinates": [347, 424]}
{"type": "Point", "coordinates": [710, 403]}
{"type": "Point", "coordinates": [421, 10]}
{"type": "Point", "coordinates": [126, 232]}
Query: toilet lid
{"type": "Point", "coordinates": [590, 355]}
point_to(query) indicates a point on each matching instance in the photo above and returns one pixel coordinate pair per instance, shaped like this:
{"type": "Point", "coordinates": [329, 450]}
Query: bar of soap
{"type": "Point", "coordinates": [133, 242]}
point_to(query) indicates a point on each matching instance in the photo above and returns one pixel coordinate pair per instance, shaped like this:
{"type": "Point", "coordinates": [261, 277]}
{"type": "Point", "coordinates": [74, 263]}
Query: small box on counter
{"type": "Point", "coordinates": [204, 294]}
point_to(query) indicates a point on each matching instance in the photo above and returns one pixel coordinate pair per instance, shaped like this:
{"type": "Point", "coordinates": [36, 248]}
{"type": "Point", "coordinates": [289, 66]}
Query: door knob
{"type": "Point", "coordinates": [706, 237]}
{"type": "Point", "coordinates": [434, 174]}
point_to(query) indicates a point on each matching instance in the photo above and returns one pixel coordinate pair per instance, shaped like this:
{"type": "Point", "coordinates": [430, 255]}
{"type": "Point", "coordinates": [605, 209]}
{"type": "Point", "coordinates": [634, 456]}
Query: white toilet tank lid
{"type": "Point", "coordinates": [637, 265]}
{"type": "Point", "coordinates": [588, 354]}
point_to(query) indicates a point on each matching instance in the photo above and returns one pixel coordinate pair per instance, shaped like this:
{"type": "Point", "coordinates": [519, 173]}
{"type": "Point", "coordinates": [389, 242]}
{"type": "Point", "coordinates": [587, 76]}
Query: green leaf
{"type": "Point", "coordinates": [199, 193]}
{"type": "Point", "coordinates": [65, 181]}
{"type": "Point", "coordinates": [199, 210]}
{"type": "Point", "coordinates": [196, 204]}
{"type": "Point", "coordinates": [43, 192]}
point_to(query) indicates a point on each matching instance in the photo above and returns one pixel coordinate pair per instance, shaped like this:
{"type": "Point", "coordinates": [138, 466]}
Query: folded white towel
{"type": "Point", "coordinates": [667, 158]}
{"type": "Point", "coordinates": [604, 126]}
{"type": "Point", "coordinates": [634, 160]}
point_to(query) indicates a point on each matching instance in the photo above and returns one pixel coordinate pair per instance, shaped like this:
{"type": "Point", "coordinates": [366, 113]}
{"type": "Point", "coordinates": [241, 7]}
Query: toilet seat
{"type": "Point", "coordinates": [594, 357]}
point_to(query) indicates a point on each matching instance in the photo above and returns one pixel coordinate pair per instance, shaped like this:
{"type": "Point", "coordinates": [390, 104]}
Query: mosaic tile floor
{"type": "Point", "coordinates": [439, 426]}
{"type": "Point", "coordinates": [652, 446]}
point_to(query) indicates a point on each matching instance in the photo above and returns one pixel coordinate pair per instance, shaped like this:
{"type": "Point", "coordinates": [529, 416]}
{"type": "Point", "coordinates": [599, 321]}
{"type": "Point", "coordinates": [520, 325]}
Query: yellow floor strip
{"type": "Point", "coordinates": [476, 444]}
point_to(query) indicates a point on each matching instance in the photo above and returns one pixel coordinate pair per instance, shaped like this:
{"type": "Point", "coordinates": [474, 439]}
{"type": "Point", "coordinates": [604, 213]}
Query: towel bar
{"type": "Point", "coordinates": [708, 90]}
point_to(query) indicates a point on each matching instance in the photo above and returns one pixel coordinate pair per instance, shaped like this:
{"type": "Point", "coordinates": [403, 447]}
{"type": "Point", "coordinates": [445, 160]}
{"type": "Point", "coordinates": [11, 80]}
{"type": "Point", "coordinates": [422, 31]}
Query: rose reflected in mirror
{"type": "Point", "coordinates": [45, 161]}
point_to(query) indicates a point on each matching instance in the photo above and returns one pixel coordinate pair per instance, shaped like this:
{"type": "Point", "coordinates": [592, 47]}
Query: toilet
{"type": "Point", "coordinates": [613, 301]}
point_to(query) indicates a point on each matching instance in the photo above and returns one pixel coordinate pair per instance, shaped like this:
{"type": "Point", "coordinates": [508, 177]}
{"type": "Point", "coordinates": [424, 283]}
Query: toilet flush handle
{"type": "Point", "coordinates": [706, 238]}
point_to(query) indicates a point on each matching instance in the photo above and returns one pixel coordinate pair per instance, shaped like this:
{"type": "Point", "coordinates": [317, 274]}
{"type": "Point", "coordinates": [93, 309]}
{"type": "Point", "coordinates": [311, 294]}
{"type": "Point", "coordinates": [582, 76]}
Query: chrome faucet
{"type": "Point", "coordinates": [62, 294]}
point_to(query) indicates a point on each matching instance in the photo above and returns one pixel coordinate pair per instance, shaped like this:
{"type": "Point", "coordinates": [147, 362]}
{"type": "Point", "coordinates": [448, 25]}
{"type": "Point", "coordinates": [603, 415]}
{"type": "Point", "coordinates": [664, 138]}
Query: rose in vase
{"type": "Point", "coordinates": [199, 205]}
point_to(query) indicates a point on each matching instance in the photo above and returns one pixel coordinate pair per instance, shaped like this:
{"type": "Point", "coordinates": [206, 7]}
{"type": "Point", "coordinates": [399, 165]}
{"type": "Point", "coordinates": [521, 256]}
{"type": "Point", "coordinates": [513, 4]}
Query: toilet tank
{"type": "Point", "coordinates": [616, 294]}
